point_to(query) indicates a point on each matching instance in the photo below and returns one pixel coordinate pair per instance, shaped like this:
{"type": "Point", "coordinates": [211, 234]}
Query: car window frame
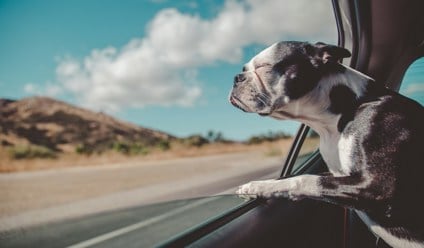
{"type": "Point", "coordinates": [295, 148]}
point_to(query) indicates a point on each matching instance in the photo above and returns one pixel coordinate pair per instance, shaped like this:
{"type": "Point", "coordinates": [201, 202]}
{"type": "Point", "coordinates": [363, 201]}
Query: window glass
{"type": "Point", "coordinates": [107, 106]}
{"type": "Point", "coordinates": [413, 81]}
{"type": "Point", "coordinates": [141, 226]}
{"type": "Point", "coordinates": [309, 146]}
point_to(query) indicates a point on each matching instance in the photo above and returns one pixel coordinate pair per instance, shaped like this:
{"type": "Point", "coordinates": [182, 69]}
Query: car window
{"type": "Point", "coordinates": [140, 226]}
{"type": "Point", "coordinates": [413, 81]}
{"type": "Point", "coordinates": [310, 146]}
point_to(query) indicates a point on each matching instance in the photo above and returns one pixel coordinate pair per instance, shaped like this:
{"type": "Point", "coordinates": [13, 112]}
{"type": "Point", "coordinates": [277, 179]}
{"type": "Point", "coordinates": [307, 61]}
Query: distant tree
{"type": "Point", "coordinates": [270, 136]}
{"type": "Point", "coordinates": [213, 136]}
{"type": "Point", "coordinates": [210, 135]}
{"type": "Point", "coordinates": [164, 145]}
{"type": "Point", "coordinates": [219, 137]}
{"type": "Point", "coordinates": [30, 151]}
{"type": "Point", "coordinates": [195, 140]}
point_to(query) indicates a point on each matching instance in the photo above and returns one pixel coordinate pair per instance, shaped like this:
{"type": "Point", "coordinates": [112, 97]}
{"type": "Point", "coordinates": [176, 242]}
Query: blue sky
{"type": "Point", "coordinates": [162, 64]}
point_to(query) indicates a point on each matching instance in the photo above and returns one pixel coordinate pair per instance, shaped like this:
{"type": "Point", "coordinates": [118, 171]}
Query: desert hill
{"type": "Point", "coordinates": [59, 126]}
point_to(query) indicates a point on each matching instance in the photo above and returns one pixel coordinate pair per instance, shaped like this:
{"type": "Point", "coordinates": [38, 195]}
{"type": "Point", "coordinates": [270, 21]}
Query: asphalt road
{"type": "Point", "coordinates": [144, 226]}
{"type": "Point", "coordinates": [120, 205]}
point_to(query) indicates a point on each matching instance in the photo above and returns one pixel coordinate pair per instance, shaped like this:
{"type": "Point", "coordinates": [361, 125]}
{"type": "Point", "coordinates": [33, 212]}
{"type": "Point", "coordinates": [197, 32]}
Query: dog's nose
{"type": "Point", "coordinates": [239, 78]}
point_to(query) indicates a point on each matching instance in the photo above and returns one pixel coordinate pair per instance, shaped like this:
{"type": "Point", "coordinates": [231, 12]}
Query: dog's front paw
{"type": "Point", "coordinates": [264, 189]}
{"type": "Point", "coordinates": [246, 191]}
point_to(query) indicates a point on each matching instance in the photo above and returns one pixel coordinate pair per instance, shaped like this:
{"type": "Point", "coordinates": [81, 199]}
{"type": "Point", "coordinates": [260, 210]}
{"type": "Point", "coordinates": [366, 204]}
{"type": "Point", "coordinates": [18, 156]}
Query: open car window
{"type": "Point", "coordinates": [309, 148]}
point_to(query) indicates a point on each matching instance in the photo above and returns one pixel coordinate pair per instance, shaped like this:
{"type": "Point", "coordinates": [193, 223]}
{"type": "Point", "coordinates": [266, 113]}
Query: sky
{"type": "Point", "coordinates": [162, 64]}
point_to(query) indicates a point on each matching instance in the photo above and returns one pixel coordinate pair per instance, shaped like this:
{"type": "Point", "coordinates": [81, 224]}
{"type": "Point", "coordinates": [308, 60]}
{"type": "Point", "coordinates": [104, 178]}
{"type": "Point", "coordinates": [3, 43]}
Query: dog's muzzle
{"type": "Point", "coordinates": [237, 103]}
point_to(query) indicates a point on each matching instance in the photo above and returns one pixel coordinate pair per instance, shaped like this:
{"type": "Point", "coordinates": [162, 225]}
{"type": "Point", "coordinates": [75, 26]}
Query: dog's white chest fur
{"type": "Point", "coordinates": [345, 149]}
{"type": "Point", "coordinates": [330, 153]}
{"type": "Point", "coordinates": [336, 151]}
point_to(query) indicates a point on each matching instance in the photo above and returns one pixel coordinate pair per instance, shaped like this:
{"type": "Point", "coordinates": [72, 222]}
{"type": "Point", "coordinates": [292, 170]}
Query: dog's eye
{"type": "Point", "coordinates": [262, 65]}
{"type": "Point", "coordinates": [280, 67]}
{"type": "Point", "coordinates": [244, 69]}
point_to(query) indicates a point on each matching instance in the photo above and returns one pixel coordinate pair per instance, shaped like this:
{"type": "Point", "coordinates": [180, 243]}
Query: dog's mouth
{"type": "Point", "coordinates": [238, 103]}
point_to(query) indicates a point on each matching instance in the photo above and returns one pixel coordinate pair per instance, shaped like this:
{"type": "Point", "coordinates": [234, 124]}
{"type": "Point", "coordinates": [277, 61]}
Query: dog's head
{"type": "Point", "coordinates": [282, 73]}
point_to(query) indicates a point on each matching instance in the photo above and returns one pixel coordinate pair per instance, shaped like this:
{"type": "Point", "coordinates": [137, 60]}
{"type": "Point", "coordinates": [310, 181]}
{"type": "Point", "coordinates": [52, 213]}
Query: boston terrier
{"type": "Point", "coordinates": [371, 138]}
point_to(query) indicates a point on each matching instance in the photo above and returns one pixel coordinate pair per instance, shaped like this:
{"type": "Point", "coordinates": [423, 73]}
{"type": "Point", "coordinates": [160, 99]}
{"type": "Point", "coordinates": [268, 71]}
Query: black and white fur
{"type": "Point", "coordinates": [371, 138]}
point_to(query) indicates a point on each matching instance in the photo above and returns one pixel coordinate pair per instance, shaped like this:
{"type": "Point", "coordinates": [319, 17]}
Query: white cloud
{"type": "Point", "coordinates": [413, 88]}
{"type": "Point", "coordinates": [49, 89]}
{"type": "Point", "coordinates": [30, 88]}
{"type": "Point", "coordinates": [160, 68]}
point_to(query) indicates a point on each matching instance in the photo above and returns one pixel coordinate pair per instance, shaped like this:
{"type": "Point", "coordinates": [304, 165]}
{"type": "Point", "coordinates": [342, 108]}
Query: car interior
{"type": "Point", "coordinates": [385, 37]}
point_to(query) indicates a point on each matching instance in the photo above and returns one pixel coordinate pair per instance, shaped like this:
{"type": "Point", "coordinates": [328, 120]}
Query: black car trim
{"type": "Point", "coordinates": [197, 232]}
{"type": "Point", "coordinates": [294, 150]}
{"type": "Point", "coordinates": [339, 23]}
{"type": "Point", "coordinates": [313, 158]}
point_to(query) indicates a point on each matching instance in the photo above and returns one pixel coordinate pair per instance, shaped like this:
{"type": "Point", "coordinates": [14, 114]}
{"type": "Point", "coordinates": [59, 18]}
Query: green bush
{"type": "Point", "coordinates": [270, 136]}
{"type": "Point", "coordinates": [215, 137]}
{"type": "Point", "coordinates": [138, 149]}
{"type": "Point", "coordinates": [121, 147]}
{"type": "Point", "coordinates": [130, 148]}
{"type": "Point", "coordinates": [31, 151]}
{"type": "Point", "coordinates": [164, 145]}
{"type": "Point", "coordinates": [83, 149]}
{"type": "Point", "coordinates": [195, 140]}
{"type": "Point", "coordinates": [255, 140]}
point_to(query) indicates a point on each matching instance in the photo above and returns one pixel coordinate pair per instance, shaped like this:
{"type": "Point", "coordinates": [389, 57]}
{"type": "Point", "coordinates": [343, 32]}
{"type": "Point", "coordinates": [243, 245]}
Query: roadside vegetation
{"type": "Point", "coordinates": [42, 132]}
{"type": "Point", "coordinates": [268, 137]}
{"type": "Point", "coordinates": [133, 148]}
{"type": "Point", "coordinates": [29, 157]}
{"type": "Point", "coordinates": [30, 152]}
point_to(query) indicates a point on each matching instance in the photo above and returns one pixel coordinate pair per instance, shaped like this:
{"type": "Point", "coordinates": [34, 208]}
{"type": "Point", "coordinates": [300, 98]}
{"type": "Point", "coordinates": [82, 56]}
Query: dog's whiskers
{"type": "Point", "coordinates": [263, 99]}
{"type": "Point", "coordinates": [263, 96]}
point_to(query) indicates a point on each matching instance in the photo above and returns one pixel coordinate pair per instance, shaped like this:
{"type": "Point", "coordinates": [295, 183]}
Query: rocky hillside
{"type": "Point", "coordinates": [59, 126]}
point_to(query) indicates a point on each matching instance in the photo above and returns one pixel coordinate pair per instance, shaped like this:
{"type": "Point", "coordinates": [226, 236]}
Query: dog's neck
{"type": "Point", "coordinates": [324, 109]}
{"type": "Point", "coordinates": [318, 110]}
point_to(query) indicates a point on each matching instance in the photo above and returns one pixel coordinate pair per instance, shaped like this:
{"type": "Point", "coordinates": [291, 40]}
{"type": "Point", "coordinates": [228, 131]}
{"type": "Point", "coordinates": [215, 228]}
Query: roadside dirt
{"type": "Point", "coordinates": [67, 160]}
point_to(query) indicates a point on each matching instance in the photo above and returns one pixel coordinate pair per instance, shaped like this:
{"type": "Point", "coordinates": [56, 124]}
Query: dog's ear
{"type": "Point", "coordinates": [327, 53]}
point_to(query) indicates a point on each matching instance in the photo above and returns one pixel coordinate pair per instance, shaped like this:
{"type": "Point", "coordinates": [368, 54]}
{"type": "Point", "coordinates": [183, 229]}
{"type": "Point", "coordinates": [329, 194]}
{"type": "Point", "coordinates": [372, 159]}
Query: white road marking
{"type": "Point", "coordinates": [138, 225]}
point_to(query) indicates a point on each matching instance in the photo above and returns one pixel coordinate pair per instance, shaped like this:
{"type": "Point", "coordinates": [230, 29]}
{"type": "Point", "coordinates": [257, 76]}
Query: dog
{"type": "Point", "coordinates": [371, 138]}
